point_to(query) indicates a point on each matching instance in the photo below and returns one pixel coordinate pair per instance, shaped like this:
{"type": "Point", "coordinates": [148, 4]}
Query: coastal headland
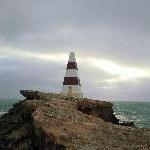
{"type": "Point", "coordinates": [48, 121]}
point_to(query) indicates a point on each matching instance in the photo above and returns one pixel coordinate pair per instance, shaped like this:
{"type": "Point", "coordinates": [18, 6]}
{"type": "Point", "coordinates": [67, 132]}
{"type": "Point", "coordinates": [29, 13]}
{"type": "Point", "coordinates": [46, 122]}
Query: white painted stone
{"type": "Point", "coordinates": [72, 57]}
{"type": "Point", "coordinates": [76, 91]}
{"type": "Point", "coordinates": [71, 73]}
{"type": "Point", "coordinates": [75, 88]}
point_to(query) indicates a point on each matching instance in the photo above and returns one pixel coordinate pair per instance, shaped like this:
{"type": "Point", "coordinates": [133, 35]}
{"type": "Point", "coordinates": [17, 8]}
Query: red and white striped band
{"type": "Point", "coordinates": [71, 81]}
{"type": "Point", "coordinates": [72, 65]}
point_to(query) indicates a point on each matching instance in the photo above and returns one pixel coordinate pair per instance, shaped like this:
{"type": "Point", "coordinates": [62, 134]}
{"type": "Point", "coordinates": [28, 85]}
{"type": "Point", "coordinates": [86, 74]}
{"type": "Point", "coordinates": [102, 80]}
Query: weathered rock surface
{"type": "Point", "coordinates": [51, 122]}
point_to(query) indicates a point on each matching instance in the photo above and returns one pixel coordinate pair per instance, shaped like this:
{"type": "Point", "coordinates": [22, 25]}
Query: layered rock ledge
{"type": "Point", "coordinates": [47, 121]}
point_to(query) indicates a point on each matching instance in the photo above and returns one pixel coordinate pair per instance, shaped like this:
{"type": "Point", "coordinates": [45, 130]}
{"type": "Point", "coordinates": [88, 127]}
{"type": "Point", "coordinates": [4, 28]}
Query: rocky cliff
{"type": "Point", "coordinates": [47, 121]}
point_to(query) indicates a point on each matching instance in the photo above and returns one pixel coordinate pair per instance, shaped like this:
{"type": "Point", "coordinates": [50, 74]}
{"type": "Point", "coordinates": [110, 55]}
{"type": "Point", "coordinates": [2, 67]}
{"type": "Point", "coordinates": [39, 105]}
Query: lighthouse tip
{"type": "Point", "coordinates": [72, 57]}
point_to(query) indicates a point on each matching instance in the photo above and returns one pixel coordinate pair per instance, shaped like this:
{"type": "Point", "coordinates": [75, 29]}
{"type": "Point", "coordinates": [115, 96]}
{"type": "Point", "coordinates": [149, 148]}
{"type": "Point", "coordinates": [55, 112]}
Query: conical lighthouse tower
{"type": "Point", "coordinates": [71, 85]}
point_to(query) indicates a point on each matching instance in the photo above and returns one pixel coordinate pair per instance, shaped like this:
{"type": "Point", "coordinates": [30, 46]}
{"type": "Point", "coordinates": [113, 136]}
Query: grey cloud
{"type": "Point", "coordinates": [29, 75]}
{"type": "Point", "coordinates": [114, 30]}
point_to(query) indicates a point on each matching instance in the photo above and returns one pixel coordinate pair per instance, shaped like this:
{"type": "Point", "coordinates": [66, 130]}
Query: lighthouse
{"type": "Point", "coordinates": [71, 85]}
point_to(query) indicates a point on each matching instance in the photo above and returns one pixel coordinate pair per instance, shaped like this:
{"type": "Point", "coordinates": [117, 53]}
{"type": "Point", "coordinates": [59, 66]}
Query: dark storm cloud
{"type": "Point", "coordinates": [114, 30]}
{"type": "Point", "coordinates": [100, 23]}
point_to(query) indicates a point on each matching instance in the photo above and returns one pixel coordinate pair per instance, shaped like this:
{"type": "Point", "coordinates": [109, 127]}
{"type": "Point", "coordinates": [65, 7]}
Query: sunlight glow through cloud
{"type": "Point", "coordinates": [122, 73]}
{"type": "Point", "coordinates": [29, 55]}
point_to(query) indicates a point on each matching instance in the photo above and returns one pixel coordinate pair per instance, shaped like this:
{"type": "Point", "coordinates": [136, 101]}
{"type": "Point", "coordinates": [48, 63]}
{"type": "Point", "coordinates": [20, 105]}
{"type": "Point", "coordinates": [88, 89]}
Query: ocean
{"type": "Point", "coordinates": [6, 104]}
{"type": "Point", "coordinates": [138, 112]}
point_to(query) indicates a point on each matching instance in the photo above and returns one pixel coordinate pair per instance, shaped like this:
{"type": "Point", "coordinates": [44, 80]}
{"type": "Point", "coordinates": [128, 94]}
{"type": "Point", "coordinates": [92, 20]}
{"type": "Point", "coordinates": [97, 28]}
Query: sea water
{"type": "Point", "coordinates": [5, 105]}
{"type": "Point", "coordinates": [138, 112]}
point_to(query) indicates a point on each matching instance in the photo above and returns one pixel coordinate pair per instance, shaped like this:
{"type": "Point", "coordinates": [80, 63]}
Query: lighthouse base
{"type": "Point", "coordinates": [72, 91]}
{"type": "Point", "coordinates": [76, 95]}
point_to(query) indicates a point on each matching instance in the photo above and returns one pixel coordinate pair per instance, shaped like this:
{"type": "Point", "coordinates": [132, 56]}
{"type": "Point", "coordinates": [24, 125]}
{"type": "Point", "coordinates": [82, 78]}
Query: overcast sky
{"type": "Point", "coordinates": [111, 39]}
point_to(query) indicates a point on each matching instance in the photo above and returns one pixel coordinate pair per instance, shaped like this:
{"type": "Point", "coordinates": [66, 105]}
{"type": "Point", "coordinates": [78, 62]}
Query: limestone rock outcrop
{"type": "Point", "coordinates": [51, 122]}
